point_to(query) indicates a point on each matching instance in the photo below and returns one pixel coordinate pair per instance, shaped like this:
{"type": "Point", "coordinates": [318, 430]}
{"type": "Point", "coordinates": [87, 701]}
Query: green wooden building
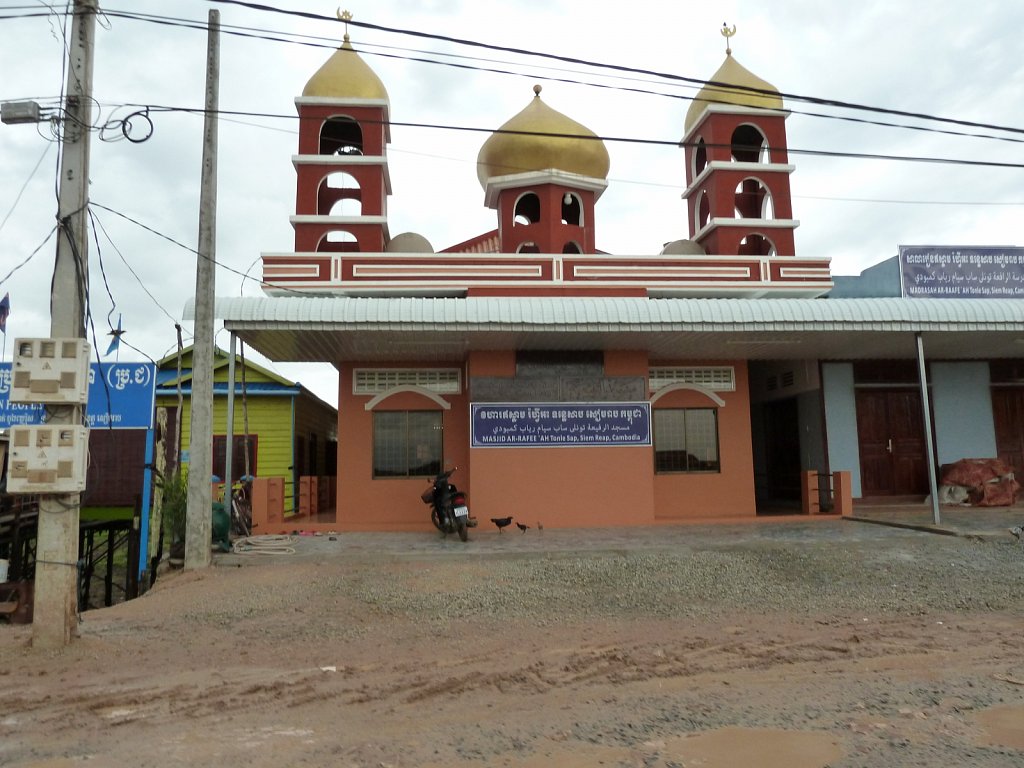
{"type": "Point", "coordinates": [291, 432]}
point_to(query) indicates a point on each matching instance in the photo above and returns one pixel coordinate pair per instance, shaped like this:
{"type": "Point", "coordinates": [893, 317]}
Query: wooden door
{"type": "Point", "coordinates": [893, 460]}
{"type": "Point", "coordinates": [1008, 415]}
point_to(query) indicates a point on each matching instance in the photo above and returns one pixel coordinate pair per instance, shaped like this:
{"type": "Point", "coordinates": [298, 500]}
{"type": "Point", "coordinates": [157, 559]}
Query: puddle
{"type": "Point", "coordinates": [763, 747]}
{"type": "Point", "coordinates": [1004, 726]}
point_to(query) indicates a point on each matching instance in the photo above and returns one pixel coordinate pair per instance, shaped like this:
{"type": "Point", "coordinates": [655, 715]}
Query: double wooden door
{"type": "Point", "coordinates": [893, 457]}
{"type": "Point", "coordinates": [1008, 415]}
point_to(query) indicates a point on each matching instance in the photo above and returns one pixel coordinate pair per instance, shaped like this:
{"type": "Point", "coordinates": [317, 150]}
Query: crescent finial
{"type": "Point", "coordinates": [728, 32]}
{"type": "Point", "coordinates": [345, 16]}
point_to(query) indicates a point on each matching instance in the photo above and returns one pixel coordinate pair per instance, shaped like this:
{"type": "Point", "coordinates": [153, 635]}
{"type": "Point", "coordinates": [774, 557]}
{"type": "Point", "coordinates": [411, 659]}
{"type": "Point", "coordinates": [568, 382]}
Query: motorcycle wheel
{"type": "Point", "coordinates": [436, 520]}
{"type": "Point", "coordinates": [463, 531]}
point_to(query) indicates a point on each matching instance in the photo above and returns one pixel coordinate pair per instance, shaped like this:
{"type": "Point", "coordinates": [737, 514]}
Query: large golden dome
{"type": "Point", "coordinates": [733, 73]}
{"type": "Point", "coordinates": [345, 76]}
{"type": "Point", "coordinates": [580, 151]}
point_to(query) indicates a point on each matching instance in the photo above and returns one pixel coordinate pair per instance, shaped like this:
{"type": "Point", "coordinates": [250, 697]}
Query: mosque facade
{"type": "Point", "coordinates": [573, 387]}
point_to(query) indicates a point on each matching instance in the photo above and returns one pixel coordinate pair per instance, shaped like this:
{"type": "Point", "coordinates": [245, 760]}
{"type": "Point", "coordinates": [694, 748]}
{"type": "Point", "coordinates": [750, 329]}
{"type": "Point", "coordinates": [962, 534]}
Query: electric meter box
{"type": "Point", "coordinates": [47, 458]}
{"type": "Point", "coordinates": [52, 371]}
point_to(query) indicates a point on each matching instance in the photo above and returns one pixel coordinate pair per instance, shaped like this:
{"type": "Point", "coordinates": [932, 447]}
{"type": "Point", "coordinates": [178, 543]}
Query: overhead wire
{"type": "Point", "coordinates": [24, 186]}
{"type": "Point", "coordinates": [223, 266]}
{"type": "Point", "coordinates": [677, 80]}
{"type": "Point", "coordinates": [605, 65]}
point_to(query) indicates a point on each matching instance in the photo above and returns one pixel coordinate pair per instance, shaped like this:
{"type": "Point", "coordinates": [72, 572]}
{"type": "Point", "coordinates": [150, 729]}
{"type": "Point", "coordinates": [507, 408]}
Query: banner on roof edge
{"type": "Point", "coordinates": [949, 272]}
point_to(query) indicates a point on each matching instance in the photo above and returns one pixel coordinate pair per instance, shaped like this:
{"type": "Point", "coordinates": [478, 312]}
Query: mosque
{"type": "Point", "coordinates": [575, 387]}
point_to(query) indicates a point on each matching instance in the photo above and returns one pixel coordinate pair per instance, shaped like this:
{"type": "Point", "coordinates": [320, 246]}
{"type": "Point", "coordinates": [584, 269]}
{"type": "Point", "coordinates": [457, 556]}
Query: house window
{"type": "Point", "coordinates": [686, 440]}
{"type": "Point", "coordinates": [406, 443]}
{"type": "Point", "coordinates": [238, 448]}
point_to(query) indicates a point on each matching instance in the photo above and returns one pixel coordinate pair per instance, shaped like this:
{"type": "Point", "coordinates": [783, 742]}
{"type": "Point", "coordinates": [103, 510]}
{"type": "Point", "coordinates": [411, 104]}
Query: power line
{"type": "Point", "coordinates": [689, 82]}
{"type": "Point", "coordinates": [28, 258]}
{"type": "Point", "coordinates": [24, 186]}
{"type": "Point", "coordinates": [617, 67]}
{"type": "Point", "coordinates": [619, 139]}
{"type": "Point", "coordinates": [170, 239]}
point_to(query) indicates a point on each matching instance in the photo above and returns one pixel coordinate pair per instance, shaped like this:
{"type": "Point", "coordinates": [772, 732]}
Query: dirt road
{"type": "Point", "coordinates": [895, 649]}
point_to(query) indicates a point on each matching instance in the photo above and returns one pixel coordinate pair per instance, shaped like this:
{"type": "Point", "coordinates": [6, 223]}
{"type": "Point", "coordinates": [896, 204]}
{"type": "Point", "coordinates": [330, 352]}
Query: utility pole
{"type": "Point", "coordinates": [200, 492]}
{"type": "Point", "coordinates": [55, 618]}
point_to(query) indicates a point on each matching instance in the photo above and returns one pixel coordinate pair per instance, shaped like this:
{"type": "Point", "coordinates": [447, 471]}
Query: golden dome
{"type": "Point", "coordinates": [733, 73]}
{"type": "Point", "coordinates": [345, 76]}
{"type": "Point", "coordinates": [507, 153]}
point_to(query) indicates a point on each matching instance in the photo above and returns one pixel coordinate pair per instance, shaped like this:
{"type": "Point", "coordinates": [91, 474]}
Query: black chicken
{"type": "Point", "coordinates": [522, 527]}
{"type": "Point", "coordinates": [501, 522]}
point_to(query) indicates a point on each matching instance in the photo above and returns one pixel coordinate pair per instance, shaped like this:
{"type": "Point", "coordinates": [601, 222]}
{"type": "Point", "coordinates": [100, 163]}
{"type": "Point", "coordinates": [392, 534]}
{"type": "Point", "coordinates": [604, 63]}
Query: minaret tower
{"type": "Point", "coordinates": [342, 169]}
{"type": "Point", "coordinates": [543, 172]}
{"type": "Point", "coordinates": [737, 169]}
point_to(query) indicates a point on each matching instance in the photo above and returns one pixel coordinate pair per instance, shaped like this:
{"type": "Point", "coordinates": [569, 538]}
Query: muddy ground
{"type": "Point", "coordinates": [895, 649]}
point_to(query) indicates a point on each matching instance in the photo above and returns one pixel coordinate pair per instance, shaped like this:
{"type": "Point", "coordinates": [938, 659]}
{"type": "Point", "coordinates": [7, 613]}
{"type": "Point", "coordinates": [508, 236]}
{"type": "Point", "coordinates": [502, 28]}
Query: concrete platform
{"type": "Point", "coordinates": [869, 523]}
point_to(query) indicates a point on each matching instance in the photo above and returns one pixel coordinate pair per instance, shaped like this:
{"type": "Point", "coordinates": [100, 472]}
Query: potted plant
{"type": "Point", "coordinates": [174, 504]}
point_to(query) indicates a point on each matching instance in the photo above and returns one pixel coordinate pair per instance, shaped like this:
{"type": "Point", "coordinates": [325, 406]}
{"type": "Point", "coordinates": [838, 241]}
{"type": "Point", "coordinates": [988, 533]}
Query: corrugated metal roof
{"type": "Point", "coordinates": [611, 314]}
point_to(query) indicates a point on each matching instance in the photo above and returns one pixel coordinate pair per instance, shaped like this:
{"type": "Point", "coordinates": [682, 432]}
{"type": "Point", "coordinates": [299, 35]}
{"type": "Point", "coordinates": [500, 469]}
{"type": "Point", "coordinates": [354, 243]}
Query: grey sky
{"type": "Point", "coordinates": [944, 58]}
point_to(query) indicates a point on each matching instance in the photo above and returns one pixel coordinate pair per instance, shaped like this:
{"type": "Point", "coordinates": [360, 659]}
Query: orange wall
{"type": "Point", "coordinates": [365, 503]}
{"type": "Point", "coordinates": [729, 493]}
{"type": "Point", "coordinates": [559, 487]}
{"type": "Point", "coordinates": [563, 487]}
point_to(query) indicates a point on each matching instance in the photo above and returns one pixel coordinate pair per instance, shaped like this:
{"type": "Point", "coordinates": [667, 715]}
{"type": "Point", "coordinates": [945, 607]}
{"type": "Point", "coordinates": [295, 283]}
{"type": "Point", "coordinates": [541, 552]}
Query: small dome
{"type": "Point", "coordinates": [409, 242]}
{"type": "Point", "coordinates": [507, 153]}
{"type": "Point", "coordinates": [733, 73]}
{"type": "Point", "coordinates": [345, 76]}
{"type": "Point", "coordinates": [683, 248]}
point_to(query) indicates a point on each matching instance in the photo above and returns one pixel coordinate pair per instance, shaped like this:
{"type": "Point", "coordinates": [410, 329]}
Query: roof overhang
{"type": "Point", "coordinates": [340, 329]}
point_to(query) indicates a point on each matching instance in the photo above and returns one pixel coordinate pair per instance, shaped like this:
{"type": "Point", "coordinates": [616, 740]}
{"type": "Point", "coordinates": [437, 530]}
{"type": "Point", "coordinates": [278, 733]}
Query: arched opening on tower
{"type": "Point", "coordinates": [338, 241]}
{"type": "Point", "coordinates": [530, 247]}
{"type": "Point", "coordinates": [527, 209]}
{"type": "Point", "coordinates": [341, 135]}
{"type": "Point", "coordinates": [749, 145]}
{"type": "Point", "coordinates": [572, 210]}
{"type": "Point", "coordinates": [700, 158]}
{"type": "Point", "coordinates": [571, 247]}
{"type": "Point", "coordinates": [339, 195]}
{"type": "Point", "coordinates": [756, 244]}
{"type": "Point", "coordinates": [753, 200]}
{"type": "Point", "coordinates": [703, 210]}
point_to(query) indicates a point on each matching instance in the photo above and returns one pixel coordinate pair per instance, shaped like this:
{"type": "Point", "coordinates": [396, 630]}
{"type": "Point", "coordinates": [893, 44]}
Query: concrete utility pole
{"type": "Point", "coordinates": [55, 616]}
{"type": "Point", "coordinates": [200, 496]}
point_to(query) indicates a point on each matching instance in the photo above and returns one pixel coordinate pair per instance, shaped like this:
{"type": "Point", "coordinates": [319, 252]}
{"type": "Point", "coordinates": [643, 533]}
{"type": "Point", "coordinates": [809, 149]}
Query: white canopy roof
{"type": "Point", "coordinates": [303, 328]}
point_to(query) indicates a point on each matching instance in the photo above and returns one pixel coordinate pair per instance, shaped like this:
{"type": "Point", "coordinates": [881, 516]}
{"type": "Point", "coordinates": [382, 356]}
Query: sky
{"type": "Point", "coordinates": [946, 58]}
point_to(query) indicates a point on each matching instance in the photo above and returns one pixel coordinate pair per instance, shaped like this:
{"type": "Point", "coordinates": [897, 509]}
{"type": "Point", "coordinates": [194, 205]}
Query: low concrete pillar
{"type": "Point", "coordinates": [842, 493]}
{"type": "Point", "coordinates": [810, 499]}
{"type": "Point", "coordinates": [267, 503]}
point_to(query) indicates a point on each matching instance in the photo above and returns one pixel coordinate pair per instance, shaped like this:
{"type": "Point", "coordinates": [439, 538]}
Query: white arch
{"type": "Point", "coordinates": [709, 394]}
{"type": "Point", "coordinates": [375, 401]}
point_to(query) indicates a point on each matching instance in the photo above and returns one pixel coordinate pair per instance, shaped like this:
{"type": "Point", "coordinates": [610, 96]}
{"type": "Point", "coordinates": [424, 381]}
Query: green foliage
{"type": "Point", "coordinates": [174, 503]}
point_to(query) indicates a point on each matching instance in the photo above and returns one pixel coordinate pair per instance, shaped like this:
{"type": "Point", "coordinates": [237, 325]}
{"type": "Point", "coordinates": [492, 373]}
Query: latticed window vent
{"type": "Point", "coordinates": [788, 379]}
{"type": "Point", "coordinates": [374, 381]}
{"type": "Point", "coordinates": [716, 378]}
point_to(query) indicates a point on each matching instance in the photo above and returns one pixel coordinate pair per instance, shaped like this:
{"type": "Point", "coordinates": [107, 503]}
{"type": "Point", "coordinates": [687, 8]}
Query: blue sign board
{"type": "Point", "coordinates": [547, 425]}
{"type": "Point", "coordinates": [121, 396]}
{"type": "Point", "coordinates": [945, 272]}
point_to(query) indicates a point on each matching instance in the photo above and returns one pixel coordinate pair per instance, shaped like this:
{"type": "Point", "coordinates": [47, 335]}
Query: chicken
{"type": "Point", "coordinates": [501, 522]}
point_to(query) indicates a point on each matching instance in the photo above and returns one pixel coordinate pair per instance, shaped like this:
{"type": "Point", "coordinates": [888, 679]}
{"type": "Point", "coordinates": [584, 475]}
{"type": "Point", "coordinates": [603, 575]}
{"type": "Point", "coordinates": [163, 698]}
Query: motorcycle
{"type": "Point", "coordinates": [449, 511]}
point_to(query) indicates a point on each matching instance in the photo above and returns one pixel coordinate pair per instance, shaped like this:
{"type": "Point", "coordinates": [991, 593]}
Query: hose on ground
{"type": "Point", "coordinates": [264, 545]}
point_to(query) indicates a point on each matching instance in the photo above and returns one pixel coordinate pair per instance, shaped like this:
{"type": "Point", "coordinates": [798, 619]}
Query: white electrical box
{"type": "Point", "coordinates": [50, 371]}
{"type": "Point", "coordinates": [47, 458]}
